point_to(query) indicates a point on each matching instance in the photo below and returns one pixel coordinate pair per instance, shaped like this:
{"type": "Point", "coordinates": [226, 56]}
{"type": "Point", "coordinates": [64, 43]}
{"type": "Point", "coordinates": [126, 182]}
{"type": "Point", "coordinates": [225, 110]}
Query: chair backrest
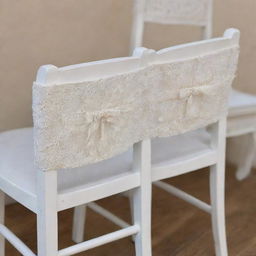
{"type": "Point", "coordinates": [90, 112]}
{"type": "Point", "coordinates": [177, 12]}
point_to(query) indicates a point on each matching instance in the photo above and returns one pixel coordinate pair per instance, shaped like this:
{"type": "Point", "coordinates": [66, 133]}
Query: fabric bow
{"type": "Point", "coordinates": [194, 97]}
{"type": "Point", "coordinates": [99, 120]}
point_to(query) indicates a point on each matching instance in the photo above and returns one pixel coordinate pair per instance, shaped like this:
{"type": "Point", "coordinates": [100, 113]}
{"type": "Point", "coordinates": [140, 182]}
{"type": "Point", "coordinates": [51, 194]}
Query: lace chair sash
{"type": "Point", "coordinates": [83, 123]}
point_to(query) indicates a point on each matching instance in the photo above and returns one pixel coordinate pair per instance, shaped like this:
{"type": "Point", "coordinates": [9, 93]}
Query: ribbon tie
{"type": "Point", "coordinates": [194, 97]}
{"type": "Point", "coordinates": [99, 120]}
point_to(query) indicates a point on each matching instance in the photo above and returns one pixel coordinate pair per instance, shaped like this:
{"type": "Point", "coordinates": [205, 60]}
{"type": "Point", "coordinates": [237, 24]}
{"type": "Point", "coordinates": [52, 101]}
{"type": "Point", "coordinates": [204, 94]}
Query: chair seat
{"type": "Point", "coordinates": [242, 114]}
{"type": "Point", "coordinates": [241, 103]}
{"type": "Point", "coordinates": [17, 161]}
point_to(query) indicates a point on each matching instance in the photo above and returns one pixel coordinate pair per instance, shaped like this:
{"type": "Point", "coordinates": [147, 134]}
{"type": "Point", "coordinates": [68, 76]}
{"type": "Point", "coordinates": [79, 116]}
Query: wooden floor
{"type": "Point", "coordinates": [178, 228]}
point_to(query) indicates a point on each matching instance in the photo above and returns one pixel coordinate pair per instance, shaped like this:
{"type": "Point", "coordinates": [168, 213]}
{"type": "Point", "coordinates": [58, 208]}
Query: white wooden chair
{"type": "Point", "coordinates": [78, 110]}
{"type": "Point", "coordinates": [242, 106]}
{"type": "Point", "coordinates": [201, 74]}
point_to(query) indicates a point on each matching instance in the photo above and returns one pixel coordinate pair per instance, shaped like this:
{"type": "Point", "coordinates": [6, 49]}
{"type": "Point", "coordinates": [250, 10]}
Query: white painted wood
{"type": "Point", "coordinates": [108, 215]}
{"type": "Point", "coordinates": [240, 132]}
{"type": "Point", "coordinates": [207, 29]}
{"type": "Point", "coordinates": [79, 223]}
{"type": "Point", "coordinates": [16, 242]}
{"type": "Point", "coordinates": [241, 122]}
{"type": "Point", "coordinates": [130, 198]}
{"type": "Point", "coordinates": [184, 165]}
{"type": "Point", "coordinates": [2, 217]}
{"type": "Point", "coordinates": [71, 198]}
{"type": "Point", "coordinates": [246, 162]}
{"type": "Point", "coordinates": [47, 74]}
{"type": "Point", "coordinates": [20, 195]}
{"type": "Point", "coordinates": [47, 216]}
{"type": "Point", "coordinates": [99, 241]}
{"type": "Point", "coordinates": [139, 21]}
{"type": "Point", "coordinates": [217, 190]}
{"type": "Point", "coordinates": [190, 50]}
{"type": "Point", "coordinates": [86, 71]}
{"type": "Point", "coordinates": [218, 210]}
{"type": "Point", "coordinates": [80, 216]}
{"type": "Point", "coordinates": [142, 198]}
{"type": "Point", "coordinates": [184, 196]}
{"type": "Point", "coordinates": [137, 24]}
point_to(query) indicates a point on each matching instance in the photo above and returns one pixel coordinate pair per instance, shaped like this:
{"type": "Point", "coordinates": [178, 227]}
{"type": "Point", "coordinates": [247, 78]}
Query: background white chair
{"type": "Point", "coordinates": [242, 106]}
{"type": "Point", "coordinates": [201, 74]}
{"type": "Point", "coordinates": [71, 127]}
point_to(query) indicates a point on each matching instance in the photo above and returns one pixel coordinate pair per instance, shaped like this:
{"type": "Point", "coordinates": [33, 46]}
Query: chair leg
{"type": "Point", "coordinates": [142, 217]}
{"type": "Point", "coordinates": [79, 223]}
{"type": "Point", "coordinates": [217, 191]}
{"type": "Point", "coordinates": [245, 166]}
{"type": "Point", "coordinates": [47, 215]}
{"type": "Point", "coordinates": [131, 201]}
{"type": "Point", "coordinates": [142, 198]}
{"type": "Point", "coordinates": [2, 214]}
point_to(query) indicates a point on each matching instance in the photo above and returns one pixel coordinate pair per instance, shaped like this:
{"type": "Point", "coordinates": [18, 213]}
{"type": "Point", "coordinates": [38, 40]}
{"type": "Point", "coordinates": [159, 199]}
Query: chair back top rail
{"type": "Point", "coordinates": [185, 12]}
{"type": "Point", "coordinates": [90, 112]}
{"type": "Point", "coordinates": [173, 12]}
{"type": "Point", "coordinates": [50, 74]}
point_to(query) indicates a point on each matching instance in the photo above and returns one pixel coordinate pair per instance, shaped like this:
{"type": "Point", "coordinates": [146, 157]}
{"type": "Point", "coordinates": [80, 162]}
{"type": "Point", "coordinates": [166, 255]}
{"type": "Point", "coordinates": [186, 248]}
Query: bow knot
{"type": "Point", "coordinates": [99, 121]}
{"type": "Point", "coordinates": [194, 96]}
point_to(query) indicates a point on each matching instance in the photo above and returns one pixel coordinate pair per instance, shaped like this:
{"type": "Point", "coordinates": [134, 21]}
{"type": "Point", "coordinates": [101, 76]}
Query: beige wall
{"type": "Point", "coordinates": [61, 32]}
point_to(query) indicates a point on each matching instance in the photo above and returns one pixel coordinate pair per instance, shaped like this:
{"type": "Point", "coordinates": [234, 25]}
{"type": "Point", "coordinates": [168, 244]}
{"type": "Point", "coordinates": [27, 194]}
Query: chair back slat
{"type": "Point", "coordinates": [160, 93]}
{"type": "Point", "coordinates": [172, 12]}
{"type": "Point", "coordinates": [187, 12]}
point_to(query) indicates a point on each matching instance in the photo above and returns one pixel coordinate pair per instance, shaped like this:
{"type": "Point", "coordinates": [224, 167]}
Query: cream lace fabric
{"type": "Point", "coordinates": [194, 12]}
{"type": "Point", "coordinates": [78, 124]}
